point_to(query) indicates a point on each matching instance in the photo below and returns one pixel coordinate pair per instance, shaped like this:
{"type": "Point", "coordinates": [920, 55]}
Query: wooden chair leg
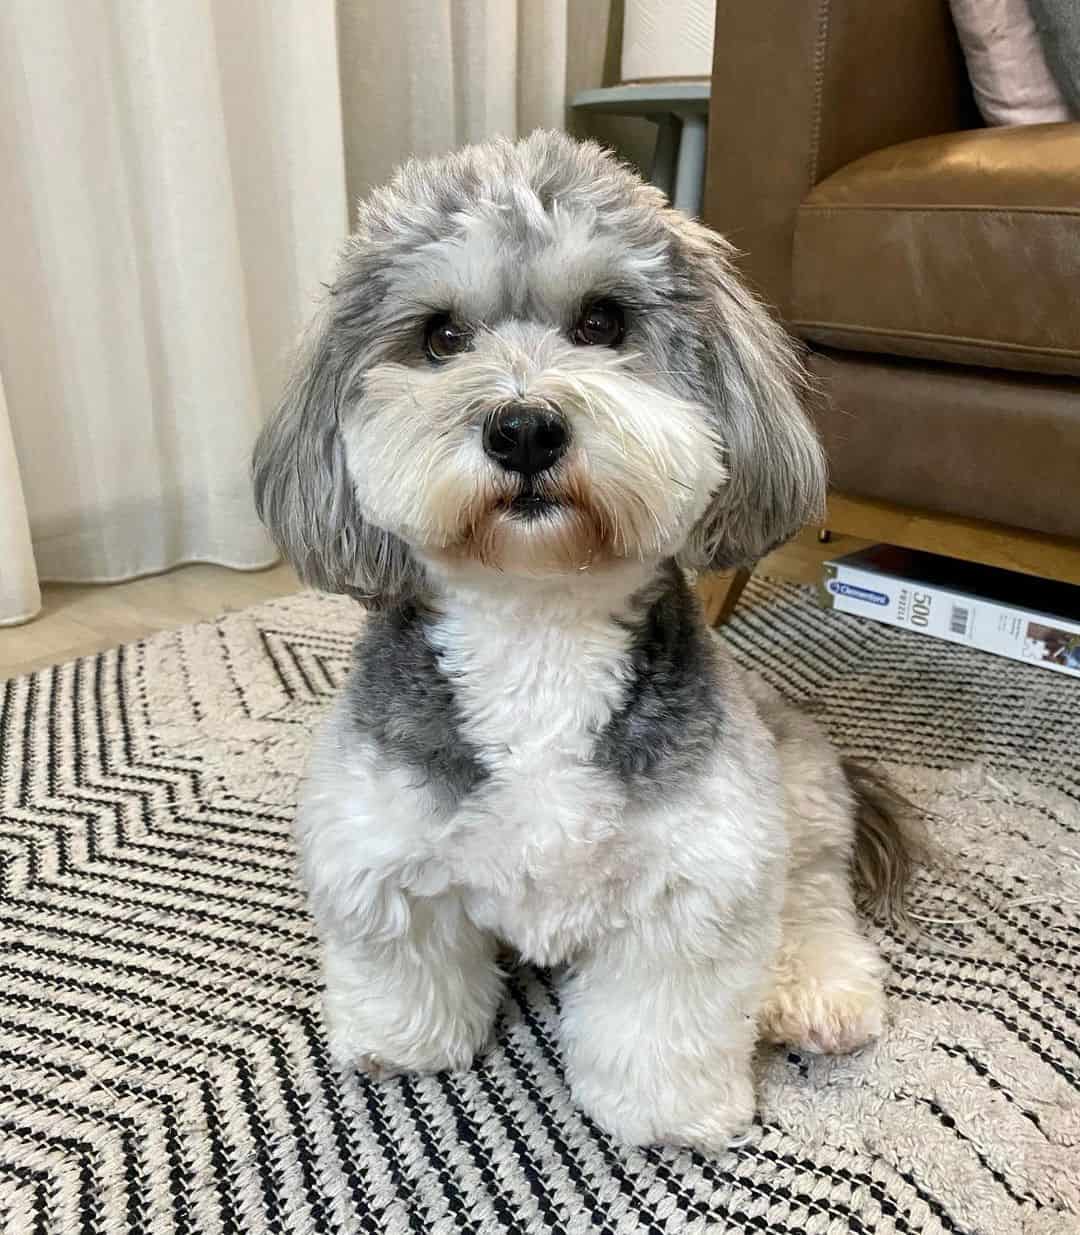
{"type": "Point", "coordinates": [720, 594]}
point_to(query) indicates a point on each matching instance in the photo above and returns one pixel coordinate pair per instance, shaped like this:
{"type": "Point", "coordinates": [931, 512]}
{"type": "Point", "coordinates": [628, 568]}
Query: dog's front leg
{"type": "Point", "coordinates": [659, 1026]}
{"type": "Point", "coordinates": [420, 1000]}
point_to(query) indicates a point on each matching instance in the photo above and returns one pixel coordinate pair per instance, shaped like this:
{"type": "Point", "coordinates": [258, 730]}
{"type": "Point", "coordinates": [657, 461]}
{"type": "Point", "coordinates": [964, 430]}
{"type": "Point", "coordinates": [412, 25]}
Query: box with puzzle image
{"type": "Point", "coordinates": [1015, 615]}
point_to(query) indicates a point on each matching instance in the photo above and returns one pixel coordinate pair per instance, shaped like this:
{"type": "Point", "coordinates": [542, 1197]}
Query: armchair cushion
{"type": "Point", "coordinates": [982, 443]}
{"type": "Point", "coordinates": [963, 247]}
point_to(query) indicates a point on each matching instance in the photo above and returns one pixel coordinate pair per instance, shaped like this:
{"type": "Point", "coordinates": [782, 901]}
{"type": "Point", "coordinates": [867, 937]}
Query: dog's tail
{"type": "Point", "coordinates": [890, 842]}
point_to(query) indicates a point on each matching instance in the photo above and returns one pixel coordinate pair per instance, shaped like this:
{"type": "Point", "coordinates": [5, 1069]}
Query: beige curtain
{"type": "Point", "coordinates": [424, 76]}
{"type": "Point", "coordinates": [173, 181]}
{"type": "Point", "coordinates": [20, 596]}
{"type": "Point", "coordinates": [173, 191]}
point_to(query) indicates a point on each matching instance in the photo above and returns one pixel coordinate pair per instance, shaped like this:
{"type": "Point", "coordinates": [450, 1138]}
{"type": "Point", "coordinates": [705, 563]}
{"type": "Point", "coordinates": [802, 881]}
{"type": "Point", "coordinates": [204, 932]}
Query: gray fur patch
{"type": "Point", "coordinates": [400, 697]}
{"type": "Point", "coordinates": [669, 725]}
{"type": "Point", "coordinates": [302, 489]}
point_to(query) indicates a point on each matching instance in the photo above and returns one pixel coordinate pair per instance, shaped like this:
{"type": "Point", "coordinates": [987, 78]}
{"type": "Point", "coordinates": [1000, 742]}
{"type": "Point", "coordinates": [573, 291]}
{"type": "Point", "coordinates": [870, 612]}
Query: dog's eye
{"type": "Point", "coordinates": [444, 337]}
{"type": "Point", "coordinates": [601, 325]}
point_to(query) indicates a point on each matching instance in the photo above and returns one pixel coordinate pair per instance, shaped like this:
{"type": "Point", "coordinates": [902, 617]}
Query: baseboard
{"type": "Point", "coordinates": [993, 544]}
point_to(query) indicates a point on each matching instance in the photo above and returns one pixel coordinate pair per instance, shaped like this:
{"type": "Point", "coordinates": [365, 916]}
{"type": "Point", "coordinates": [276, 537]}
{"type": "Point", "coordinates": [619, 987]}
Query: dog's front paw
{"type": "Point", "coordinates": [388, 1060]}
{"type": "Point", "coordinates": [403, 1009]}
{"type": "Point", "coordinates": [356, 1045]}
{"type": "Point", "coordinates": [371, 1066]}
{"type": "Point", "coordinates": [707, 1116]}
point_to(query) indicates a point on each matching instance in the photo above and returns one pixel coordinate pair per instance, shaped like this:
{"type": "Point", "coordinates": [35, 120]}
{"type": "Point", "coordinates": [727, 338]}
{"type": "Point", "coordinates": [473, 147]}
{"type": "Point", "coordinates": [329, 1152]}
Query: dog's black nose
{"type": "Point", "coordinates": [526, 439]}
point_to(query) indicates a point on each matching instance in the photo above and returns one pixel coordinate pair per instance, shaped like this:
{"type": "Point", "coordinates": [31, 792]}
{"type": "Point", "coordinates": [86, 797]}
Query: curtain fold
{"type": "Point", "coordinates": [424, 76]}
{"type": "Point", "coordinates": [173, 192]}
{"type": "Point", "coordinates": [20, 596]}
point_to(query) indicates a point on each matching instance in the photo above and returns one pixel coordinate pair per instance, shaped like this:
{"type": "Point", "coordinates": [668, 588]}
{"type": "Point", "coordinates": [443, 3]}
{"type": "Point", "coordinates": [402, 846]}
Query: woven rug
{"type": "Point", "coordinates": [163, 1063]}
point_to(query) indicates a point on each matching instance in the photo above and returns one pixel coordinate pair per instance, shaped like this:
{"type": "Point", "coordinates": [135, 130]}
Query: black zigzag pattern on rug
{"type": "Point", "coordinates": [162, 1060]}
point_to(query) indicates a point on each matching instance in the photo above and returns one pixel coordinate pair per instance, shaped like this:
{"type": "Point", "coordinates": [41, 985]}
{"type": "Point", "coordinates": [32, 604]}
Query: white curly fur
{"type": "Point", "coordinates": [687, 927]}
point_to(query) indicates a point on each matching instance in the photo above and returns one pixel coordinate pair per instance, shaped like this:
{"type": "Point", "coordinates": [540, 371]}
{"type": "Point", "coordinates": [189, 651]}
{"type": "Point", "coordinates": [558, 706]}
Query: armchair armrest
{"type": "Point", "coordinates": [802, 87]}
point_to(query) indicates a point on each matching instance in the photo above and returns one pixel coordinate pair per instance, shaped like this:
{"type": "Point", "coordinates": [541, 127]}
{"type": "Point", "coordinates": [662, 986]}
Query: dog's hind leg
{"type": "Point", "coordinates": [826, 993]}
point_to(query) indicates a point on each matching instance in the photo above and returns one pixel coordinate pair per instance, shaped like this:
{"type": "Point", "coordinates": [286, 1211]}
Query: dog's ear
{"type": "Point", "coordinates": [749, 375]}
{"type": "Point", "coordinates": [303, 491]}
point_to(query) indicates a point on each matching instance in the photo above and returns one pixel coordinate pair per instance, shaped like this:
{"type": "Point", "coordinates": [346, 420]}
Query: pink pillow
{"type": "Point", "coordinates": [1006, 64]}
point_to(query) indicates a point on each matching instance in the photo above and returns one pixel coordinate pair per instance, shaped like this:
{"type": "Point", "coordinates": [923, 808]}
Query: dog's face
{"type": "Point", "coordinates": [528, 363]}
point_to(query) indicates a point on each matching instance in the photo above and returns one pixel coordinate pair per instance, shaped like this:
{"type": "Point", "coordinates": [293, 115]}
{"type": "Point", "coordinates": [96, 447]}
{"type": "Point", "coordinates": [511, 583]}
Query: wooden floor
{"type": "Point", "coordinates": [78, 619]}
{"type": "Point", "coordinates": [800, 560]}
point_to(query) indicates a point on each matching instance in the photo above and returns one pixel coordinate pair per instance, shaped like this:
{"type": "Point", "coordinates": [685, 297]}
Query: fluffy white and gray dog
{"type": "Point", "coordinates": [533, 398]}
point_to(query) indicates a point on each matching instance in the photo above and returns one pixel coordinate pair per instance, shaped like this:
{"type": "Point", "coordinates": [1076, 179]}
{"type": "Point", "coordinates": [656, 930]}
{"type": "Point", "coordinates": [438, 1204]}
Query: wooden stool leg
{"type": "Point", "coordinates": [720, 594]}
{"type": "Point", "coordinates": [690, 168]}
{"type": "Point", "coordinates": [666, 154]}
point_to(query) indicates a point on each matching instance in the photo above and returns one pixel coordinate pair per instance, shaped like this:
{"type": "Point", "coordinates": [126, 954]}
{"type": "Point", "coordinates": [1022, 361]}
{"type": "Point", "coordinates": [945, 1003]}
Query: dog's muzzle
{"type": "Point", "coordinates": [526, 438]}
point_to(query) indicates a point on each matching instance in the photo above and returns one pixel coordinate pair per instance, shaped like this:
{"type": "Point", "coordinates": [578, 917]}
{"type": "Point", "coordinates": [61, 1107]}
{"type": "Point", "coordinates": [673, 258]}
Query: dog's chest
{"type": "Point", "coordinates": [542, 840]}
{"type": "Point", "coordinates": [529, 692]}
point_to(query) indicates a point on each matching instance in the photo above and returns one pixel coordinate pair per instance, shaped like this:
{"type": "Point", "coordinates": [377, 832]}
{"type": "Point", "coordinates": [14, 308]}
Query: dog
{"type": "Point", "coordinates": [534, 399]}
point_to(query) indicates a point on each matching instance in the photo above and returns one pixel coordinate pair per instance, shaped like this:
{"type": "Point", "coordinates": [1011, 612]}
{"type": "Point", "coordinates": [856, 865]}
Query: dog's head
{"type": "Point", "coordinates": [529, 362]}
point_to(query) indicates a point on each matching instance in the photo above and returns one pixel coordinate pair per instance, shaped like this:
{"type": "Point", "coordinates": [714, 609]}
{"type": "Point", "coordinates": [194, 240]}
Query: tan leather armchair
{"type": "Point", "coordinates": [931, 265]}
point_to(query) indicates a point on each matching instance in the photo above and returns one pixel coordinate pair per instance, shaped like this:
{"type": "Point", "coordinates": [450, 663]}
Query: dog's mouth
{"type": "Point", "coordinates": [530, 502]}
{"type": "Point", "coordinates": [545, 523]}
